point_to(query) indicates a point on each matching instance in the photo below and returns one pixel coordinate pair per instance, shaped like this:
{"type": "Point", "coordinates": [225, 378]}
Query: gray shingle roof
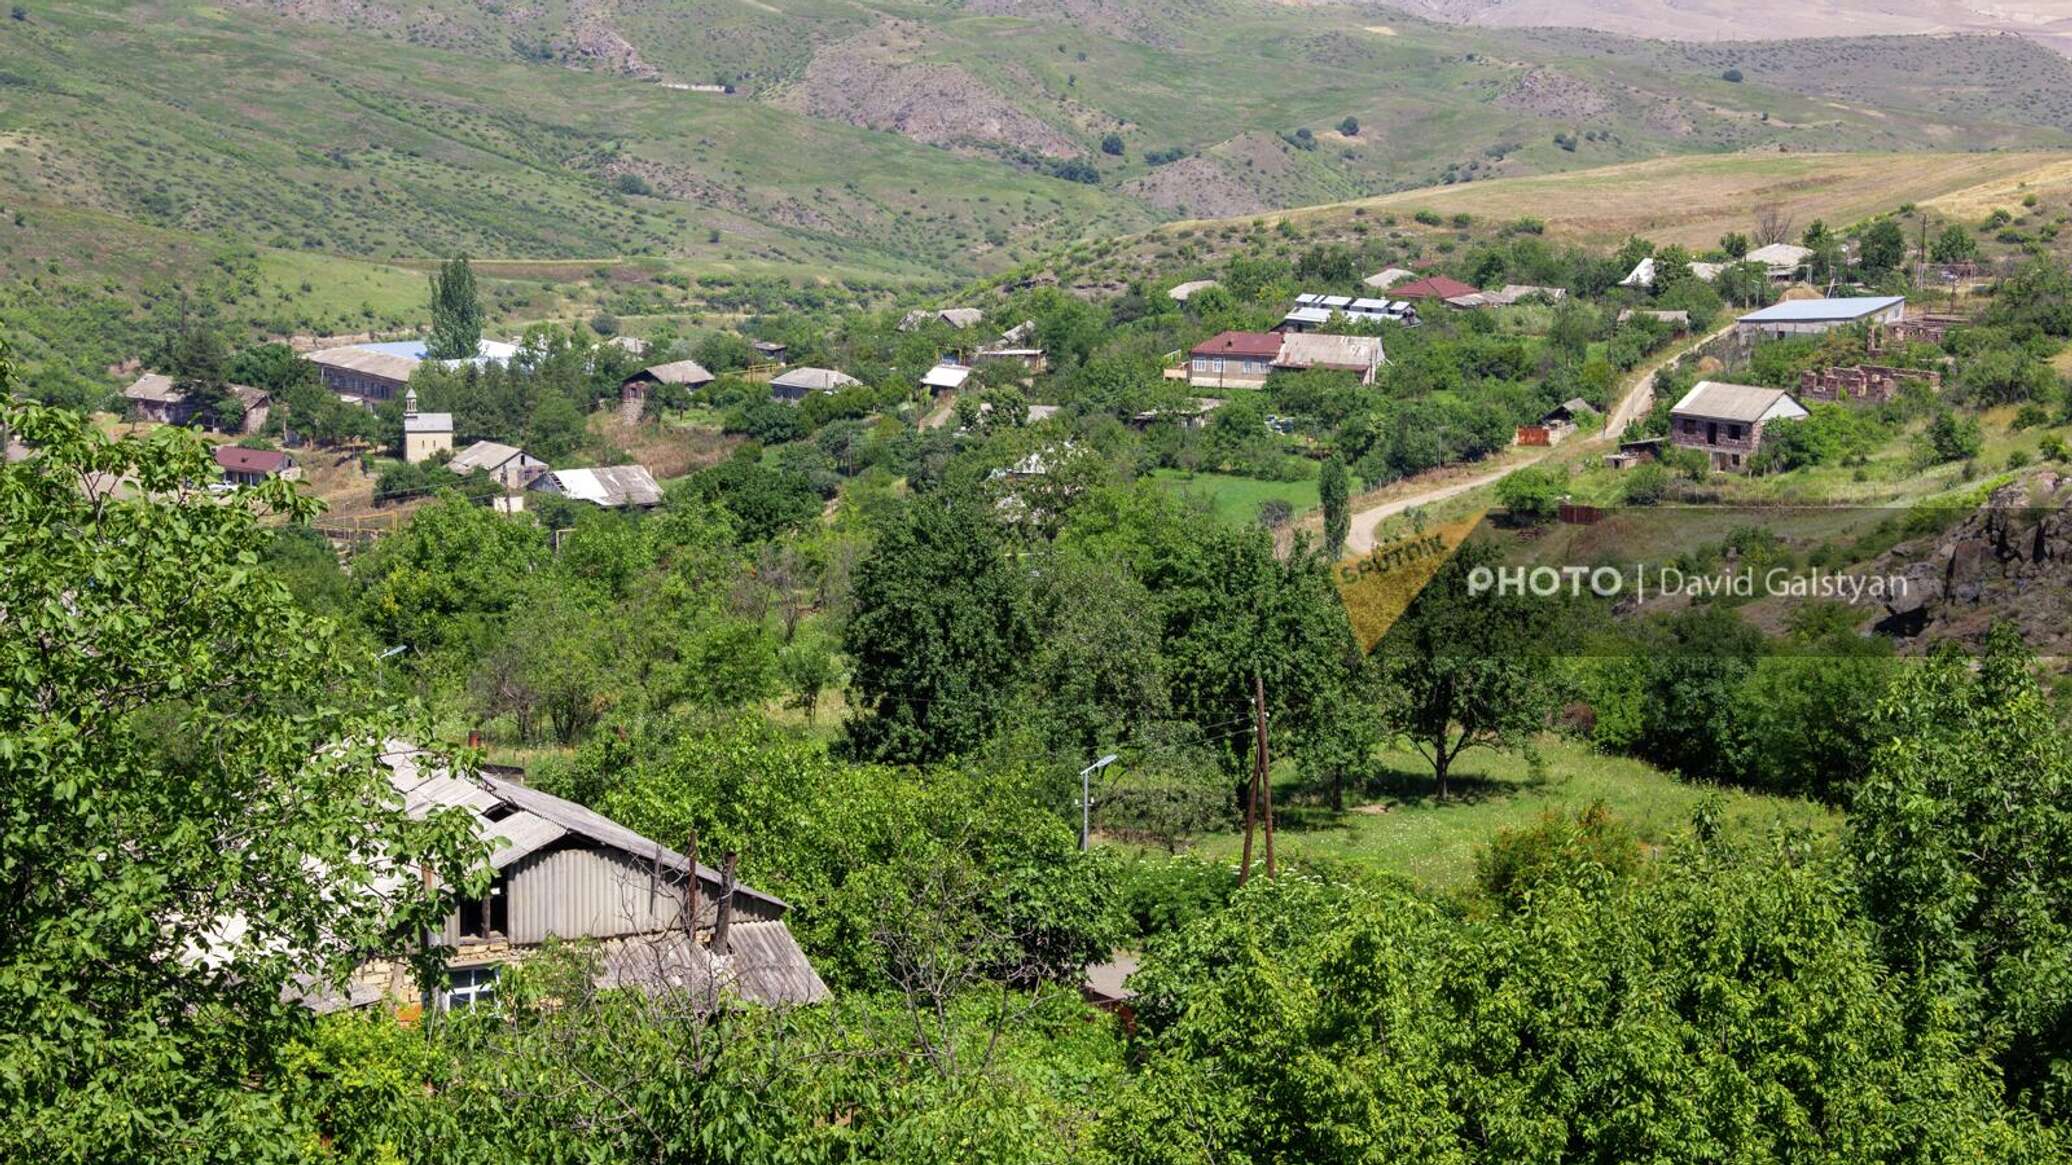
{"type": "Point", "coordinates": [1733, 402]}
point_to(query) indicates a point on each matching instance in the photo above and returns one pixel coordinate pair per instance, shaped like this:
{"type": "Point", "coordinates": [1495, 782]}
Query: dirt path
{"type": "Point", "coordinates": [941, 414]}
{"type": "Point", "coordinates": [1635, 403]}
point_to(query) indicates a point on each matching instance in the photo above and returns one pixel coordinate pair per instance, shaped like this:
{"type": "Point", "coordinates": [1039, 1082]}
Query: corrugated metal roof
{"type": "Point", "coordinates": [1261, 345]}
{"type": "Point", "coordinates": [615, 485]}
{"type": "Point", "coordinates": [814, 379]}
{"type": "Point", "coordinates": [946, 376]}
{"type": "Point", "coordinates": [1312, 350]}
{"type": "Point", "coordinates": [1802, 311]}
{"type": "Point", "coordinates": [679, 372]}
{"type": "Point", "coordinates": [490, 455]}
{"type": "Point", "coordinates": [763, 964]}
{"type": "Point", "coordinates": [1735, 402]}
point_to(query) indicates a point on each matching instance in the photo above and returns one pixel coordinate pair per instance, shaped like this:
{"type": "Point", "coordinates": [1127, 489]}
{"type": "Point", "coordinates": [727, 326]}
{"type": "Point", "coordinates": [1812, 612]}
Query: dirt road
{"type": "Point", "coordinates": [1635, 403]}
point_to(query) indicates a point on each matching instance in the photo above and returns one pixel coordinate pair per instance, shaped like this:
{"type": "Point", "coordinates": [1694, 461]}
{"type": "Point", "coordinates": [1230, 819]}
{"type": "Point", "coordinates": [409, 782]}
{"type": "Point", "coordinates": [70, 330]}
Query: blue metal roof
{"type": "Point", "coordinates": [411, 349]}
{"type": "Point", "coordinates": [1802, 311]}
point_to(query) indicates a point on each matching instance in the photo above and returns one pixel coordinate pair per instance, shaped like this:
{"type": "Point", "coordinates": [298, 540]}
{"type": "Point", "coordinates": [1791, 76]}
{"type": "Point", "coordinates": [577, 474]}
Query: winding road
{"type": "Point", "coordinates": [1634, 403]}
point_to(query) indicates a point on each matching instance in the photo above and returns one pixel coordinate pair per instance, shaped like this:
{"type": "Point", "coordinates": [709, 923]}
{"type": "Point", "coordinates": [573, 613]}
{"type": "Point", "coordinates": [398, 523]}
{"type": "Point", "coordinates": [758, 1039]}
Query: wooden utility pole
{"type": "Point", "coordinates": [1262, 778]}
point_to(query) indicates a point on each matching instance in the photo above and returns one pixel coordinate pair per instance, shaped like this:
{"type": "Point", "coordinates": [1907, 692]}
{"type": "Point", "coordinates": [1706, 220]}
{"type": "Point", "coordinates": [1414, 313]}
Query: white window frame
{"type": "Point", "coordinates": [468, 986]}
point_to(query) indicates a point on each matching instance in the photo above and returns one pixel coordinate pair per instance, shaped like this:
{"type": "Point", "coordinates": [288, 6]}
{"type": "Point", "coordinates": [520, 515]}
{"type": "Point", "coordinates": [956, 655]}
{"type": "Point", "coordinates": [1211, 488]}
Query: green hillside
{"type": "Point", "coordinates": [898, 140]}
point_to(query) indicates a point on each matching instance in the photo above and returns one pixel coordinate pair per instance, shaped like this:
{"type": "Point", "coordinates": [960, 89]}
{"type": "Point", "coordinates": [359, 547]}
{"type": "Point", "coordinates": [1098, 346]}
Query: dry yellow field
{"type": "Point", "coordinates": [1694, 200]}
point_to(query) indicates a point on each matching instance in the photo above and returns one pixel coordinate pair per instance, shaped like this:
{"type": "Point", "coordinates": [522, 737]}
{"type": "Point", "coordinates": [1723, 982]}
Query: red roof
{"type": "Point", "coordinates": [241, 460]}
{"type": "Point", "coordinates": [1432, 287]}
{"type": "Point", "coordinates": [1258, 345]}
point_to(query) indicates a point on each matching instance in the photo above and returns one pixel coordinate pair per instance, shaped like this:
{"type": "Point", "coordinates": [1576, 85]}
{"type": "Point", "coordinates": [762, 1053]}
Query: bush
{"type": "Point", "coordinates": [1645, 484]}
{"type": "Point", "coordinates": [1112, 145]}
{"type": "Point", "coordinates": [1350, 127]}
{"type": "Point", "coordinates": [1589, 852]}
{"type": "Point", "coordinates": [1429, 218]}
{"type": "Point", "coordinates": [631, 183]}
{"type": "Point", "coordinates": [1531, 494]}
{"type": "Point", "coordinates": [1731, 75]}
{"type": "Point", "coordinates": [1950, 437]}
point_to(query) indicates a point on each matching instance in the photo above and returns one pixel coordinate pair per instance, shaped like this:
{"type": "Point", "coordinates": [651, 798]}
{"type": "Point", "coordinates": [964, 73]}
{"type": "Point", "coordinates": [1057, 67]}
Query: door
{"type": "Point", "coordinates": [1712, 432]}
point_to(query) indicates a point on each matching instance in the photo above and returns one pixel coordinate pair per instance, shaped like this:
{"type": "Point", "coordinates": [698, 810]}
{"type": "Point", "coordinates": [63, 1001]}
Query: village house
{"type": "Point", "coordinates": [1804, 317]}
{"type": "Point", "coordinates": [1233, 360]}
{"type": "Point", "coordinates": [425, 435]}
{"type": "Point", "coordinates": [378, 371]}
{"type": "Point", "coordinates": [635, 390]}
{"type": "Point", "coordinates": [1643, 273]}
{"type": "Point", "coordinates": [1509, 295]}
{"type": "Point", "coordinates": [1017, 344]}
{"type": "Point", "coordinates": [1313, 311]}
{"type": "Point", "coordinates": [800, 383]}
{"type": "Point", "coordinates": [153, 398]}
{"type": "Point", "coordinates": [1781, 260]}
{"type": "Point", "coordinates": [955, 317]}
{"type": "Point", "coordinates": [1359, 355]}
{"type": "Point", "coordinates": [612, 487]}
{"type": "Point", "coordinates": [242, 466]}
{"type": "Point", "coordinates": [656, 920]}
{"type": "Point", "coordinates": [771, 352]}
{"type": "Point", "coordinates": [1873, 383]}
{"type": "Point", "coordinates": [1726, 422]}
{"type": "Point", "coordinates": [947, 376]}
{"type": "Point", "coordinates": [511, 466]}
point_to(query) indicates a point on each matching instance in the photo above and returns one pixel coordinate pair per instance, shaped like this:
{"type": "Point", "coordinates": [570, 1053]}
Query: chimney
{"type": "Point", "coordinates": [726, 904]}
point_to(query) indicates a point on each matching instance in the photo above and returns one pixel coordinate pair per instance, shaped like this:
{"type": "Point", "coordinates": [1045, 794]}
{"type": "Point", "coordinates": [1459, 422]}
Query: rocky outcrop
{"type": "Point", "coordinates": [2011, 561]}
{"type": "Point", "coordinates": [1551, 93]}
{"type": "Point", "coordinates": [865, 82]}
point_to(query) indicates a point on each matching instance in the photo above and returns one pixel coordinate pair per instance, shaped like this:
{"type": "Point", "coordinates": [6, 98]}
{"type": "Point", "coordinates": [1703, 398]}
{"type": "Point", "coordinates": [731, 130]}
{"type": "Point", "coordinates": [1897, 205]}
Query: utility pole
{"type": "Point", "coordinates": [690, 890]}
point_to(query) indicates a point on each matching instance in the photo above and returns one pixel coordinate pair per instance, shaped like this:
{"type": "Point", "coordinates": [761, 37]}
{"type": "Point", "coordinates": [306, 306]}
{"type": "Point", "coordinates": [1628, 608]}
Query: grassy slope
{"type": "Point", "coordinates": [391, 131]}
{"type": "Point", "coordinates": [1435, 843]}
{"type": "Point", "coordinates": [1237, 499]}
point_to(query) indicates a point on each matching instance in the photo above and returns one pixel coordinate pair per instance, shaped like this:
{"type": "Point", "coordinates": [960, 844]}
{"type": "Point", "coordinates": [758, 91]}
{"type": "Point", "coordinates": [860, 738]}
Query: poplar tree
{"type": "Point", "coordinates": [456, 313]}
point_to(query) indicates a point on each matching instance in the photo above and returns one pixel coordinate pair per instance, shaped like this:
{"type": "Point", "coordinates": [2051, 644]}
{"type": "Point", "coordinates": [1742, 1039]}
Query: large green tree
{"type": "Point", "coordinates": [192, 812]}
{"type": "Point", "coordinates": [1467, 666]}
{"type": "Point", "coordinates": [456, 313]}
{"type": "Point", "coordinates": [1963, 832]}
{"type": "Point", "coordinates": [941, 632]}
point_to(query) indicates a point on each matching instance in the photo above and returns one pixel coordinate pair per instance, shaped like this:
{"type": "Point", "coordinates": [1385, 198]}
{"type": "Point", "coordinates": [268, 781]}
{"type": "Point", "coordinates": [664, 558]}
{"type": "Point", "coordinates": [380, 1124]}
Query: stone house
{"type": "Point", "coordinates": [1726, 422]}
{"type": "Point", "coordinates": [1873, 383]}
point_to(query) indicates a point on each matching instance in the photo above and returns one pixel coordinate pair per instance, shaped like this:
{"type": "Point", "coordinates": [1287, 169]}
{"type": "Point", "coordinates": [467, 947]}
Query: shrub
{"type": "Point", "coordinates": [631, 183]}
{"type": "Point", "coordinates": [1731, 75]}
{"type": "Point", "coordinates": [1112, 145]}
{"type": "Point", "coordinates": [1350, 127]}
{"type": "Point", "coordinates": [1429, 218]}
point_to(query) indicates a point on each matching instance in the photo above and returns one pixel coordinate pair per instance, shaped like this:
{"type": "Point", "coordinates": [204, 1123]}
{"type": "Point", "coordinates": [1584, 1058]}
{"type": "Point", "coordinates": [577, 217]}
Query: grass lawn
{"type": "Point", "coordinates": [1237, 499]}
{"type": "Point", "coordinates": [1402, 830]}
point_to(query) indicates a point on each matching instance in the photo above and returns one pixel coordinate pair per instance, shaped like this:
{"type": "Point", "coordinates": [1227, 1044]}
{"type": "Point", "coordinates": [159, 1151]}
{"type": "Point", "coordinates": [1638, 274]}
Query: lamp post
{"type": "Point", "coordinates": [1086, 800]}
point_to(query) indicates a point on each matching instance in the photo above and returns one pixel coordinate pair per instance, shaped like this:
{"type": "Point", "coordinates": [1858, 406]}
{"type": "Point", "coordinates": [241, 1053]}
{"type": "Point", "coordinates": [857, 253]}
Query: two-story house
{"type": "Point", "coordinates": [1726, 421]}
{"type": "Point", "coordinates": [1233, 360]}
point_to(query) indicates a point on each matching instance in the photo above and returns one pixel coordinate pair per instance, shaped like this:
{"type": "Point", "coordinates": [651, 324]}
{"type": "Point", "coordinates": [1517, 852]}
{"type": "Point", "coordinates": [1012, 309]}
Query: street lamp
{"type": "Point", "coordinates": [1086, 800]}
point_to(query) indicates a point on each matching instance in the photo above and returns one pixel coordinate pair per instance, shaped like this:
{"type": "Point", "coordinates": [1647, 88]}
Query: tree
{"type": "Point", "coordinates": [1350, 127]}
{"type": "Point", "coordinates": [456, 313]}
{"type": "Point", "coordinates": [1467, 666]}
{"type": "Point", "coordinates": [1734, 244]}
{"type": "Point", "coordinates": [1950, 437]}
{"type": "Point", "coordinates": [1954, 245]}
{"type": "Point", "coordinates": [1884, 247]}
{"type": "Point", "coordinates": [1111, 145]}
{"type": "Point", "coordinates": [188, 763]}
{"type": "Point", "coordinates": [1333, 492]}
{"type": "Point", "coordinates": [1532, 494]}
{"type": "Point", "coordinates": [555, 428]}
{"type": "Point", "coordinates": [1772, 224]}
{"type": "Point", "coordinates": [1963, 831]}
{"type": "Point", "coordinates": [940, 634]}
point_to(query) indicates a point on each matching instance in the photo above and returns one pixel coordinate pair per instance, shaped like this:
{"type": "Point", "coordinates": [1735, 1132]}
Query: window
{"type": "Point", "coordinates": [488, 916]}
{"type": "Point", "coordinates": [1219, 363]}
{"type": "Point", "coordinates": [1733, 432]}
{"type": "Point", "coordinates": [469, 986]}
{"type": "Point", "coordinates": [1690, 427]}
